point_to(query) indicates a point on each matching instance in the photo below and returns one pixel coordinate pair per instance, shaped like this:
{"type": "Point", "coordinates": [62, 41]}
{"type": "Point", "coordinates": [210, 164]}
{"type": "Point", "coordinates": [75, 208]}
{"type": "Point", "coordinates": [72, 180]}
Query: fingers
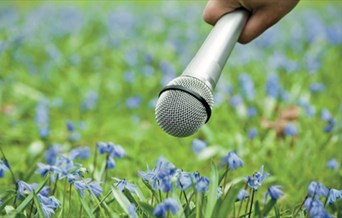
{"type": "Point", "coordinates": [216, 8]}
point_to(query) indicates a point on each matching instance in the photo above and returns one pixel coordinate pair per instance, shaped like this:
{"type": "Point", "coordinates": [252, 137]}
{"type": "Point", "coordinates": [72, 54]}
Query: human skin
{"type": "Point", "coordinates": [263, 14]}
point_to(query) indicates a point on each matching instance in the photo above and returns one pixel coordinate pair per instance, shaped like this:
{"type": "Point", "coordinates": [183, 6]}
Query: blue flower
{"type": "Point", "coordinates": [133, 102]}
{"type": "Point", "coordinates": [44, 169]}
{"type": "Point", "coordinates": [235, 101]}
{"type": "Point", "coordinates": [333, 195]}
{"type": "Point", "coordinates": [79, 152]}
{"type": "Point", "coordinates": [45, 191]}
{"type": "Point", "coordinates": [247, 86]}
{"type": "Point", "coordinates": [3, 168]}
{"type": "Point", "coordinates": [113, 151]}
{"type": "Point", "coordinates": [168, 204]}
{"type": "Point", "coordinates": [257, 179]}
{"type": "Point", "coordinates": [42, 118]}
{"type": "Point", "coordinates": [24, 189]}
{"type": "Point", "coordinates": [333, 164]}
{"type": "Point", "coordinates": [184, 180]}
{"type": "Point", "coordinates": [202, 184]}
{"type": "Point", "coordinates": [70, 126]}
{"type": "Point", "coordinates": [252, 133]}
{"type": "Point", "coordinates": [316, 189]}
{"type": "Point", "coordinates": [274, 192]}
{"type": "Point", "coordinates": [52, 153]}
{"type": "Point", "coordinates": [251, 112]}
{"type": "Point", "coordinates": [110, 163]}
{"type": "Point", "coordinates": [273, 88]}
{"type": "Point", "coordinates": [315, 208]}
{"type": "Point", "coordinates": [328, 128]}
{"type": "Point", "coordinates": [317, 87]}
{"type": "Point", "coordinates": [90, 101]}
{"type": "Point", "coordinates": [242, 194]}
{"type": "Point", "coordinates": [326, 115]}
{"type": "Point", "coordinates": [80, 186]}
{"type": "Point", "coordinates": [48, 204]}
{"type": "Point", "coordinates": [94, 187]}
{"type": "Point", "coordinates": [198, 146]}
{"type": "Point", "coordinates": [290, 130]}
{"type": "Point", "coordinates": [122, 184]}
{"type": "Point", "coordinates": [162, 172]}
{"type": "Point", "coordinates": [232, 160]}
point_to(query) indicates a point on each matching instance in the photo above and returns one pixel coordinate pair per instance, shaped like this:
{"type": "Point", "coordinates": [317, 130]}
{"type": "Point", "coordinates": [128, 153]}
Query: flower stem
{"type": "Point", "coordinates": [300, 207]}
{"type": "Point", "coordinates": [94, 163]}
{"type": "Point", "coordinates": [65, 185]}
{"type": "Point", "coordinates": [250, 208]}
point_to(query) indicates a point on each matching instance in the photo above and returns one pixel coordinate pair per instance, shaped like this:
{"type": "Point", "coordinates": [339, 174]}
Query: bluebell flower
{"type": "Point", "coordinates": [317, 87]}
{"type": "Point", "coordinates": [331, 124]}
{"type": "Point", "coordinates": [198, 145]}
{"type": "Point", "coordinates": [48, 211]}
{"type": "Point", "coordinates": [52, 153]}
{"type": "Point", "coordinates": [90, 101]}
{"type": "Point", "coordinates": [273, 89]}
{"type": "Point", "coordinates": [247, 86]}
{"type": "Point", "coordinates": [184, 180]}
{"type": "Point", "coordinates": [166, 184]}
{"type": "Point", "coordinates": [3, 168]}
{"type": "Point", "coordinates": [242, 194]}
{"type": "Point", "coordinates": [24, 188]}
{"type": "Point", "coordinates": [251, 112]}
{"type": "Point", "coordinates": [232, 160]}
{"type": "Point", "coordinates": [202, 184]}
{"type": "Point", "coordinates": [110, 163]}
{"type": "Point", "coordinates": [44, 169]}
{"type": "Point", "coordinates": [168, 204]}
{"type": "Point", "coordinates": [315, 208]}
{"type": "Point", "coordinates": [326, 115]}
{"type": "Point", "coordinates": [50, 202]}
{"type": "Point", "coordinates": [122, 184]}
{"type": "Point", "coordinates": [257, 179]}
{"type": "Point", "coordinates": [195, 176]}
{"type": "Point", "coordinates": [235, 101]}
{"type": "Point", "coordinates": [45, 191]}
{"type": "Point", "coordinates": [163, 169]}
{"type": "Point", "coordinates": [79, 152]}
{"type": "Point", "coordinates": [70, 126]}
{"type": "Point", "coordinates": [274, 192]}
{"type": "Point", "coordinates": [80, 186]}
{"type": "Point", "coordinates": [290, 130]}
{"type": "Point", "coordinates": [42, 118]}
{"type": "Point", "coordinates": [334, 195]}
{"type": "Point", "coordinates": [133, 102]}
{"type": "Point", "coordinates": [252, 133]}
{"type": "Point", "coordinates": [333, 164]}
{"type": "Point", "coordinates": [94, 187]}
{"type": "Point", "coordinates": [316, 189]}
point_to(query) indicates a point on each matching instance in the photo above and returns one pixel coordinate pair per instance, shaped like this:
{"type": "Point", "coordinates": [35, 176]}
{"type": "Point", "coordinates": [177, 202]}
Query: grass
{"type": "Point", "coordinates": [65, 54]}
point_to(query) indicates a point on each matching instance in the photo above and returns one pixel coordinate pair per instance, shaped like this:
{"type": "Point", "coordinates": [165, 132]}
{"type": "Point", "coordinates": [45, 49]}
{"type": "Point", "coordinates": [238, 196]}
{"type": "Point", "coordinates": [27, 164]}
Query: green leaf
{"type": "Point", "coordinates": [270, 204]}
{"type": "Point", "coordinates": [230, 199]}
{"type": "Point", "coordinates": [29, 198]}
{"type": "Point", "coordinates": [257, 209]}
{"type": "Point", "coordinates": [147, 208]}
{"type": "Point", "coordinates": [212, 194]}
{"type": "Point", "coordinates": [38, 205]}
{"type": "Point", "coordinates": [121, 199]}
{"type": "Point", "coordinates": [85, 206]}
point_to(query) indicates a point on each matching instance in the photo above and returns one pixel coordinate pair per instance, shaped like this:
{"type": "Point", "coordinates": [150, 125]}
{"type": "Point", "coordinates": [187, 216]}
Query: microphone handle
{"type": "Point", "coordinates": [210, 59]}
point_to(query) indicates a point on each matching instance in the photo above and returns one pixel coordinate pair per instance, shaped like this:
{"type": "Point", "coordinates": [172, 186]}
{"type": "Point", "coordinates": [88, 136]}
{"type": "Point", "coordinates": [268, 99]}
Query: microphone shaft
{"type": "Point", "coordinates": [210, 59]}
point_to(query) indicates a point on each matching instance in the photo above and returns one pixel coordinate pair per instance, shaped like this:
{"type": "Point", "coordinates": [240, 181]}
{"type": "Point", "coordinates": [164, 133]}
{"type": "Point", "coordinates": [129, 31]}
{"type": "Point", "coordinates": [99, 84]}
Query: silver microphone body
{"type": "Point", "coordinates": [184, 105]}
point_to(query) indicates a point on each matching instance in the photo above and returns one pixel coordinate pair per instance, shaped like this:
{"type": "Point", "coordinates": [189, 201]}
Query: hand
{"type": "Point", "coordinates": [263, 14]}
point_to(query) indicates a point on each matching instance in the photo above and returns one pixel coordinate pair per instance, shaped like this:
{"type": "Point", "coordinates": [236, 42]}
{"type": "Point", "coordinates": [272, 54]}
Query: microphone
{"type": "Point", "coordinates": [184, 105]}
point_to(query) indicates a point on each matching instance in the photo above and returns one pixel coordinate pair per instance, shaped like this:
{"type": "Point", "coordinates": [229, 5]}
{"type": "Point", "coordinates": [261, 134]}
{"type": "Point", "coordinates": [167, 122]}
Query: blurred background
{"type": "Point", "coordinates": [75, 73]}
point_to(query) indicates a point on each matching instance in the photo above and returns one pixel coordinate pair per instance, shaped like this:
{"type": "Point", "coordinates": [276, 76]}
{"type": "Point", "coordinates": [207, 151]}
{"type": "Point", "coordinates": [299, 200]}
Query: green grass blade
{"type": "Point", "coordinates": [230, 199]}
{"type": "Point", "coordinates": [212, 194]}
{"type": "Point", "coordinates": [270, 204]}
{"type": "Point", "coordinates": [38, 205]}
{"type": "Point", "coordinates": [121, 199]}
{"type": "Point", "coordinates": [86, 207]}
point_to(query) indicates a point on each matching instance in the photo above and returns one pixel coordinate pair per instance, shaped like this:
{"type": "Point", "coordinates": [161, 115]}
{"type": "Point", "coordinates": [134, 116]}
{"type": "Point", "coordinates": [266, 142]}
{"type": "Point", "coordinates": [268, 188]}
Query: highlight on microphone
{"type": "Point", "coordinates": [184, 105]}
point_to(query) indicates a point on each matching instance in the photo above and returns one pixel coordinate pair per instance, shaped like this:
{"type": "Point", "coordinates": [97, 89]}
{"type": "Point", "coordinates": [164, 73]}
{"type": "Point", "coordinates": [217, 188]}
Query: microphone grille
{"type": "Point", "coordinates": [179, 113]}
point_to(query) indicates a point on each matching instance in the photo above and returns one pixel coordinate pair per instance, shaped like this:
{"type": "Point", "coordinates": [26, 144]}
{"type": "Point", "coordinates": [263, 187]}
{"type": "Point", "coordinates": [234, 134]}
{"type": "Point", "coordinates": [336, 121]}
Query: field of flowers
{"type": "Point", "coordinates": [78, 138]}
